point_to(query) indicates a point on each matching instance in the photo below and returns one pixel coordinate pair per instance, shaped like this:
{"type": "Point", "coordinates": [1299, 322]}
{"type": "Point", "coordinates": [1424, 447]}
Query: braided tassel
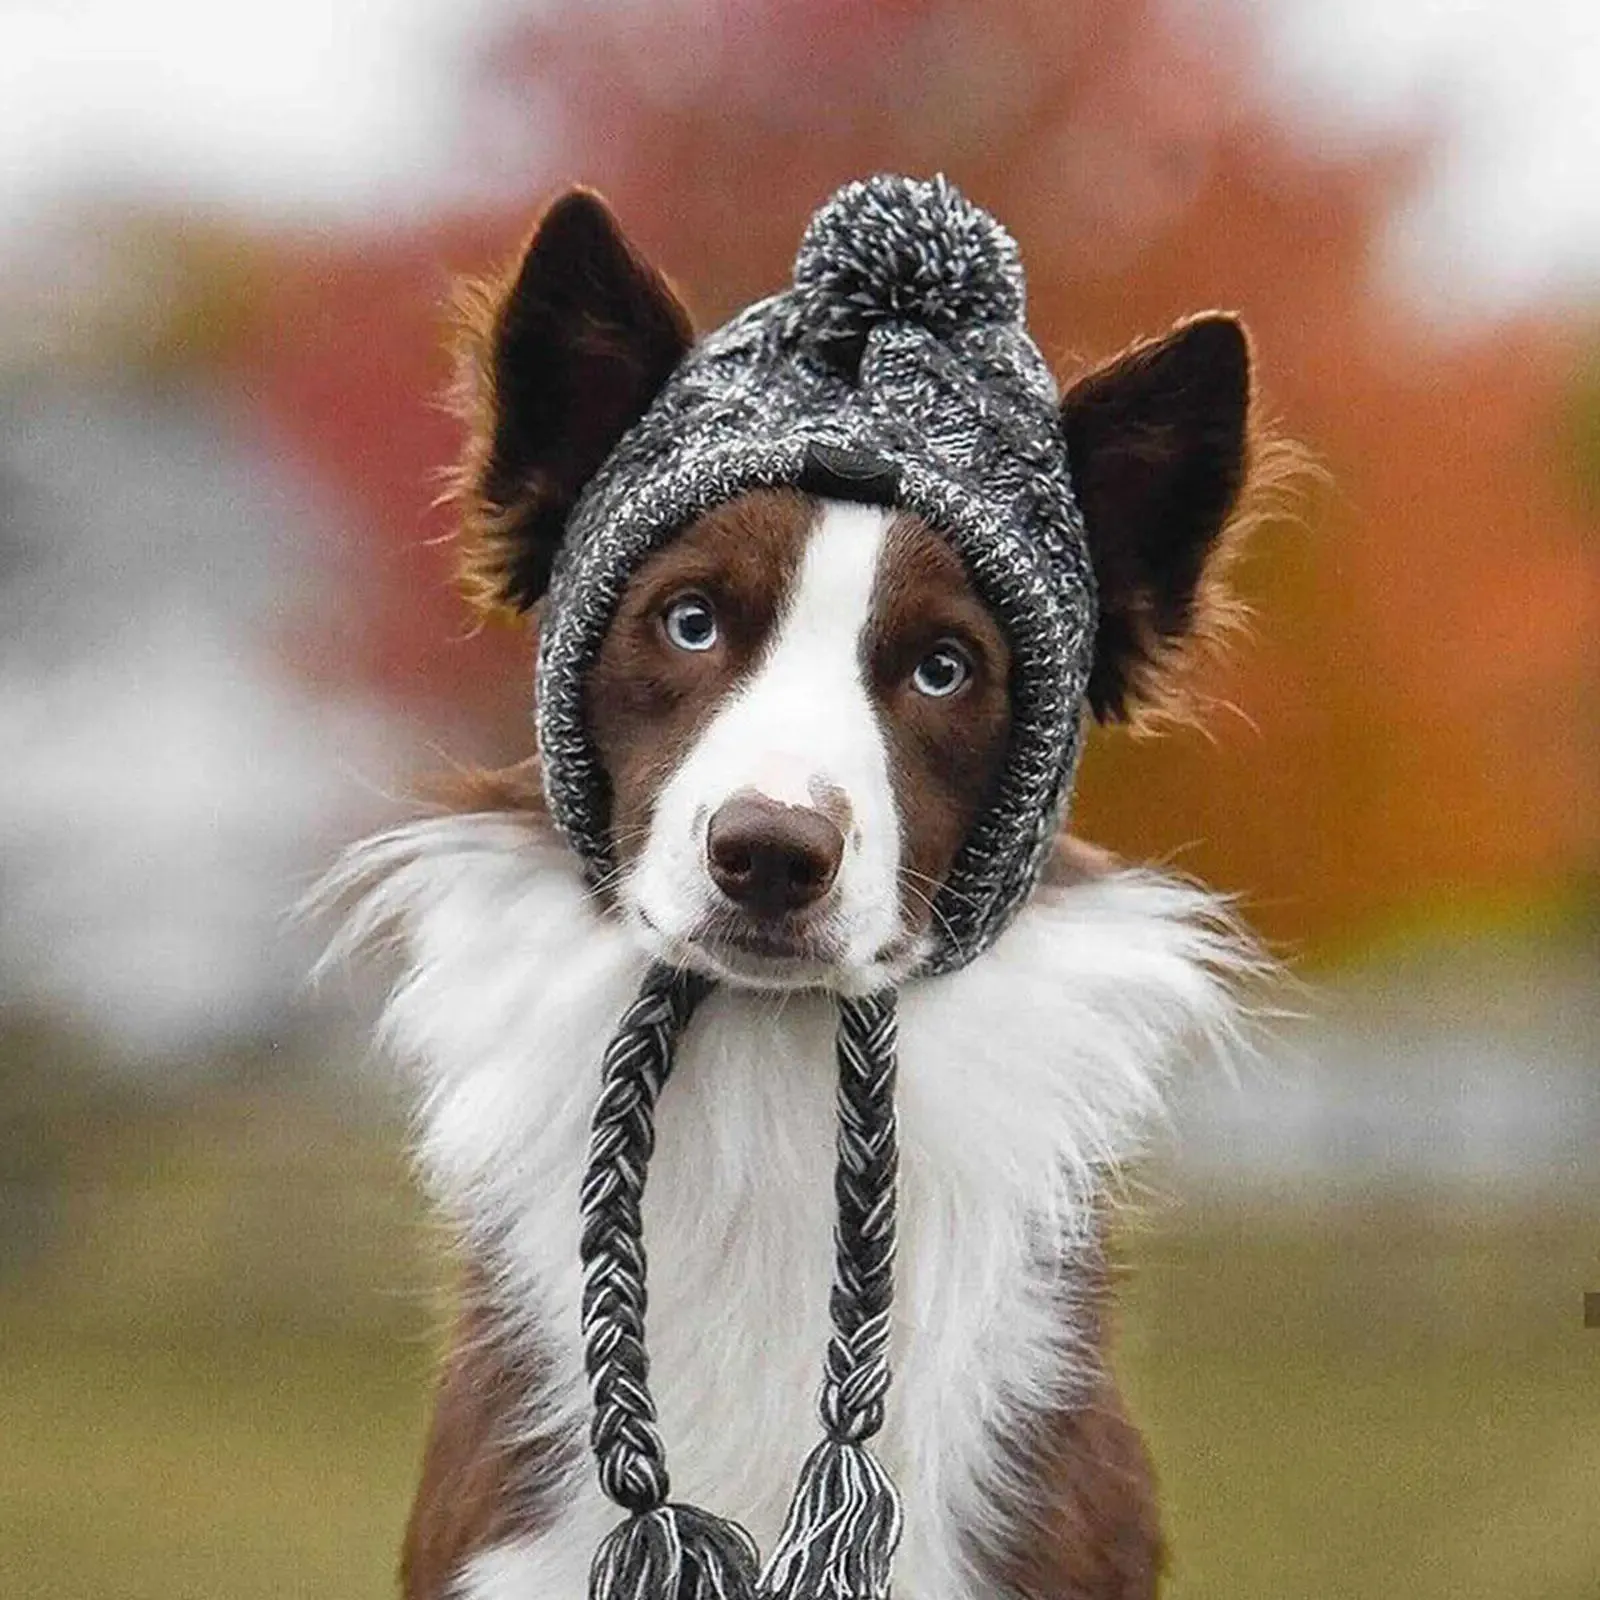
{"type": "Point", "coordinates": [845, 1520]}
{"type": "Point", "coordinates": [661, 1551]}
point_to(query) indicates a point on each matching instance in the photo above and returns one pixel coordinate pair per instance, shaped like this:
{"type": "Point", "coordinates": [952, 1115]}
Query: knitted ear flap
{"type": "Point", "coordinates": [844, 1523]}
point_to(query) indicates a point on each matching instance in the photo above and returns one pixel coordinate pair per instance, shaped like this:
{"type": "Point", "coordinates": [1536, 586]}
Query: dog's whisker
{"type": "Point", "coordinates": [933, 910]}
{"type": "Point", "coordinates": [939, 886]}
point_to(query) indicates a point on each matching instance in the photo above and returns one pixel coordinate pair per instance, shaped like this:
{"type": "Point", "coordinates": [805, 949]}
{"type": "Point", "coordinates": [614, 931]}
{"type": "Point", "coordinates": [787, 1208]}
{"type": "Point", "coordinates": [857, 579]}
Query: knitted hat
{"type": "Point", "coordinates": [897, 371]}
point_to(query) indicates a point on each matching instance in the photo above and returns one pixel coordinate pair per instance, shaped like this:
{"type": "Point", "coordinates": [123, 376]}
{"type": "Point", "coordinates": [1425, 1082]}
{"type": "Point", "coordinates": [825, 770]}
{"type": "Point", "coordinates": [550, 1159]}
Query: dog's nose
{"type": "Point", "coordinates": [772, 858]}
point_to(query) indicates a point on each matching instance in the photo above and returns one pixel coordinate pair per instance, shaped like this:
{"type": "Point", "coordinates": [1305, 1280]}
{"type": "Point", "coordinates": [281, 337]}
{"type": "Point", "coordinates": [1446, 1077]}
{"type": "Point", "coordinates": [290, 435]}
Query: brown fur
{"type": "Point", "coordinates": [516, 789]}
{"type": "Point", "coordinates": [480, 1483]}
{"type": "Point", "coordinates": [945, 755]}
{"type": "Point", "coordinates": [1095, 1531]}
{"type": "Point", "coordinates": [1087, 1525]}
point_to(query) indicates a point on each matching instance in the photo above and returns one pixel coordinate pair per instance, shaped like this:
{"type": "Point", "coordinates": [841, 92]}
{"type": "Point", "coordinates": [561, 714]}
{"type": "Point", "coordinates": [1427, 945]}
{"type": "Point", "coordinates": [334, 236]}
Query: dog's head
{"type": "Point", "coordinates": [801, 705]}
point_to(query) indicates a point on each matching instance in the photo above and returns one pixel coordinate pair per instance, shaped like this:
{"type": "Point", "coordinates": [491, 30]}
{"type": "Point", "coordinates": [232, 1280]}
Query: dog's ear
{"type": "Point", "coordinates": [555, 362]}
{"type": "Point", "coordinates": [1157, 442]}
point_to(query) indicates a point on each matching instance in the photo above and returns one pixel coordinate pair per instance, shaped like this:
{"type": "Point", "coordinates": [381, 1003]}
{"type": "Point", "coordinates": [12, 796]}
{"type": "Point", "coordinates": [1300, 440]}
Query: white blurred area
{"type": "Point", "coordinates": [357, 109]}
{"type": "Point", "coordinates": [1472, 1065]}
{"type": "Point", "coordinates": [167, 786]}
{"type": "Point", "coordinates": [1507, 211]}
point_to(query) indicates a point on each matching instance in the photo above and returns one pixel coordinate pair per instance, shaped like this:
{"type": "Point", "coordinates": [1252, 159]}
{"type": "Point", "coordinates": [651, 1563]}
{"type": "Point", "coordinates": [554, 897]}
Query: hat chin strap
{"type": "Point", "coordinates": [844, 1522]}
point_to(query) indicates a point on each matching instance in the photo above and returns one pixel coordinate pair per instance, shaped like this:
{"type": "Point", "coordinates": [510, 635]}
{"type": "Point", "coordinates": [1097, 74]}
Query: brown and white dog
{"type": "Point", "coordinates": [801, 707]}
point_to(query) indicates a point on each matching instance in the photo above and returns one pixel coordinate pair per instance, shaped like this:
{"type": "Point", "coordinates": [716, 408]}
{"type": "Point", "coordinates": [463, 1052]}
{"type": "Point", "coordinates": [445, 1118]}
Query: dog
{"type": "Point", "coordinates": [799, 708]}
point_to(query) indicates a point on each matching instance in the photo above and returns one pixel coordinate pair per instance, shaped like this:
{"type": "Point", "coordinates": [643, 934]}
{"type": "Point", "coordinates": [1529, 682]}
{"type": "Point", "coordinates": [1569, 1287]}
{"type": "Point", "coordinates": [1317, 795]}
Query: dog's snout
{"type": "Point", "coordinates": [771, 858]}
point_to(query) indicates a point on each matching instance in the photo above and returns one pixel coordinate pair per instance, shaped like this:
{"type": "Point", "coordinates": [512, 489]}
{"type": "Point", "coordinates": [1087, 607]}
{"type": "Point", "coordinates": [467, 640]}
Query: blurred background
{"type": "Point", "coordinates": [1354, 1321]}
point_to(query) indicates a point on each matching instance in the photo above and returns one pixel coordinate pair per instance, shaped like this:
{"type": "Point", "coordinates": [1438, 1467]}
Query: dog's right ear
{"type": "Point", "coordinates": [555, 362]}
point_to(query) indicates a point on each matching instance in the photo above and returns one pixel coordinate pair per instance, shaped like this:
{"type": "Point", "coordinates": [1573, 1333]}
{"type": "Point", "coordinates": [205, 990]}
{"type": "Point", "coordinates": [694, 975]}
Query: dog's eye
{"type": "Point", "coordinates": [942, 671]}
{"type": "Point", "coordinates": [690, 622]}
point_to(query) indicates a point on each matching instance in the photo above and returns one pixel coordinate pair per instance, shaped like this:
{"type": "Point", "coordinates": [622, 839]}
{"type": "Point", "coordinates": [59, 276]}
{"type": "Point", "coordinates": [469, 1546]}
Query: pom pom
{"type": "Point", "coordinates": [889, 249]}
{"type": "Point", "coordinates": [675, 1552]}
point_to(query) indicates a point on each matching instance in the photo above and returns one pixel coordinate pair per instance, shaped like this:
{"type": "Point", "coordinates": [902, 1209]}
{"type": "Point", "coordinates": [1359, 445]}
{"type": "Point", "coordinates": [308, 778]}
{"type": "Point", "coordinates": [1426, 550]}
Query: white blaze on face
{"type": "Point", "coordinates": [801, 725]}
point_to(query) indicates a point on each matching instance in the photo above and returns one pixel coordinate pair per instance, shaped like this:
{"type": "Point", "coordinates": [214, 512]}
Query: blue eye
{"type": "Point", "coordinates": [690, 622]}
{"type": "Point", "coordinates": [941, 672]}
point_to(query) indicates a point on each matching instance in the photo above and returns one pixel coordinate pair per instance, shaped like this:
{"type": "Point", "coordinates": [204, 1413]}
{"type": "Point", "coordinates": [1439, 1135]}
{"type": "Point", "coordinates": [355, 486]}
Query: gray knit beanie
{"type": "Point", "coordinates": [895, 371]}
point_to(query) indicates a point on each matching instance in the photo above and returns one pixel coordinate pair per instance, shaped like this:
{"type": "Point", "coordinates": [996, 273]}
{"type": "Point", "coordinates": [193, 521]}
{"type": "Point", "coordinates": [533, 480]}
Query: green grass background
{"type": "Point", "coordinates": [217, 1321]}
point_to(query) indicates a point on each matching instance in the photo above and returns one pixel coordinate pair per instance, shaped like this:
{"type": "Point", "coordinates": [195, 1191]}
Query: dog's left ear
{"type": "Point", "coordinates": [555, 363]}
{"type": "Point", "coordinates": [1157, 443]}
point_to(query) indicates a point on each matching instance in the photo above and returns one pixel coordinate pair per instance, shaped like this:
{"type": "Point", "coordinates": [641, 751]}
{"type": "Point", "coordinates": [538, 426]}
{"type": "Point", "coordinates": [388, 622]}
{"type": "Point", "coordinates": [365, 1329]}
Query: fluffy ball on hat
{"type": "Point", "coordinates": [894, 249]}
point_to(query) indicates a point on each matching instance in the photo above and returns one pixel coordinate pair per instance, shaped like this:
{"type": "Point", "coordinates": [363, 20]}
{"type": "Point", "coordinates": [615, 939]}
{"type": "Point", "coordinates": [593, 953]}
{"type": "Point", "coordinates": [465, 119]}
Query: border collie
{"type": "Point", "coordinates": [799, 707]}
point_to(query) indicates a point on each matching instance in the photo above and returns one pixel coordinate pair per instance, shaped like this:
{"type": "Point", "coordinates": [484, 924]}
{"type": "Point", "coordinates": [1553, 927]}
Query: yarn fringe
{"type": "Point", "coordinates": [675, 1552]}
{"type": "Point", "coordinates": [842, 1530]}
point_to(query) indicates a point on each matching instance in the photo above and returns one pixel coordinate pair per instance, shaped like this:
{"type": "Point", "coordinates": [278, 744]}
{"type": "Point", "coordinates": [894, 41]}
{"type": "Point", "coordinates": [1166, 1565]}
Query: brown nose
{"type": "Point", "coordinates": [771, 858]}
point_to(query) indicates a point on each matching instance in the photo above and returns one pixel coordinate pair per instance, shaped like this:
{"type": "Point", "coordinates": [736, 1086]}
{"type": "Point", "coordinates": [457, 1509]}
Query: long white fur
{"type": "Point", "coordinates": [1024, 1078]}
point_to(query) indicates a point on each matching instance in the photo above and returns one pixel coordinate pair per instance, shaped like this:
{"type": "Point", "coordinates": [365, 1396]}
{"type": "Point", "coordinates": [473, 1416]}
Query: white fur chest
{"type": "Point", "coordinates": [1022, 1078]}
